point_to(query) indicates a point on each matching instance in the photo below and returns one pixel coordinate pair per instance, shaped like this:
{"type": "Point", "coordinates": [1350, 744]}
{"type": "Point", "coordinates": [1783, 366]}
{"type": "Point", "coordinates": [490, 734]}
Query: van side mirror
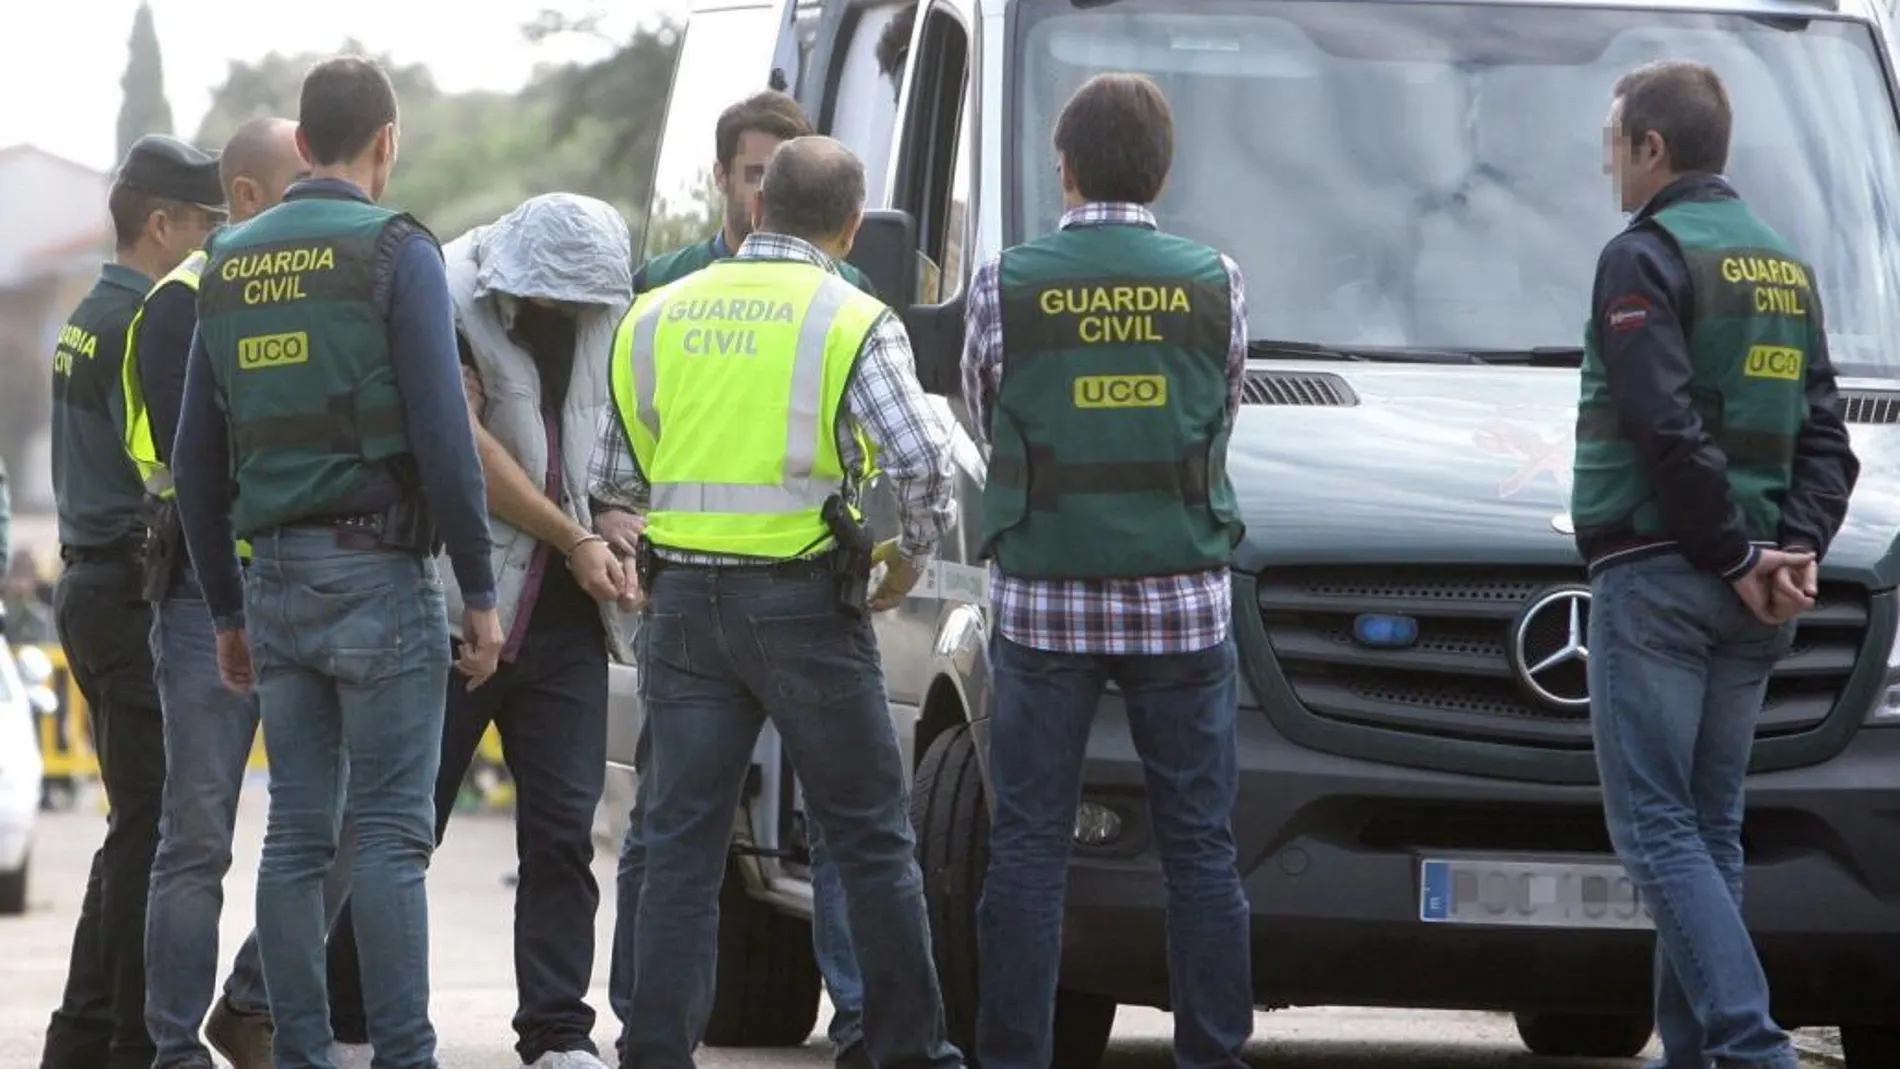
{"type": "Point", "coordinates": [886, 251]}
{"type": "Point", "coordinates": [936, 336]}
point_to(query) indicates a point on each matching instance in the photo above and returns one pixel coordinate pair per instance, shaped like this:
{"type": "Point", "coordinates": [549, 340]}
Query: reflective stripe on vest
{"type": "Point", "coordinates": [137, 431]}
{"type": "Point", "coordinates": [752, 307]}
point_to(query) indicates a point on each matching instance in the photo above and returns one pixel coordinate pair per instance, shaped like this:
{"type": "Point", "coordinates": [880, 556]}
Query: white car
{"type": "Point", "coordinates": [24, 697]}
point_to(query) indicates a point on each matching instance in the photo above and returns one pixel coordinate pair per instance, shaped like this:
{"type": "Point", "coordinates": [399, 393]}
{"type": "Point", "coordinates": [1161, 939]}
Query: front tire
{"type": "Point", "coordinates": [13, 889]}
{"type": "Point", "coordinates": [950, 810]}
{"type": "Point", "coordinates": [1579, 1035]}
{"type": "Point", "coordinates": [765, 990]}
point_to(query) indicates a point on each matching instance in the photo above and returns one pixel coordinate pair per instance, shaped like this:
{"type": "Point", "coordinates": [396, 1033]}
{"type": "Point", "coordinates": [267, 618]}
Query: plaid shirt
{"type": "Point", "coordinates": [883, 397]}
{"type": "Point", "coordinates": [1161, 614]}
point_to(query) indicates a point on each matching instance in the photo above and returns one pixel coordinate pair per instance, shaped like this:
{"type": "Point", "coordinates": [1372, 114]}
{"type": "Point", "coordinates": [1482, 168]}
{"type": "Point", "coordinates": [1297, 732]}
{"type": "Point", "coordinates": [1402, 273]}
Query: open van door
{"type": "Point", "coordinates": [724, 41]}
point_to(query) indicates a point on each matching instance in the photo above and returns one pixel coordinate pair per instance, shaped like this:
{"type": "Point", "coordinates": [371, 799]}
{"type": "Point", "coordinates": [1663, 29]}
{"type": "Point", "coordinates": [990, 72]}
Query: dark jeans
{"type": "Point", "coordinates": [106, 629]}
{"type": "Point", "coordinates": [830, 927]}
{"type": "Point", "coordinates": [1181, 710]}
{"type": "Point", "coordinates": [550, 706]}
{"type": "Point", "coordinates": [1678, 671]}
{"type": "Point", "coordinates": [722, 649]}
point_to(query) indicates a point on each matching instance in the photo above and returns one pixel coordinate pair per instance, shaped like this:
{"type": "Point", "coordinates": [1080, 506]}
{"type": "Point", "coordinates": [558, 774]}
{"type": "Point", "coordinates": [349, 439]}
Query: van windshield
{"type": "Point", "coordinates": [1431, 175]}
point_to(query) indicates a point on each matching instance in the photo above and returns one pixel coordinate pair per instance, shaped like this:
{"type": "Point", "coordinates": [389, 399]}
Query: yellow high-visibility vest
{"type": "Point", "coordinates": [729, 384]}
{"type": "Point", "coordinates": [137, 431]}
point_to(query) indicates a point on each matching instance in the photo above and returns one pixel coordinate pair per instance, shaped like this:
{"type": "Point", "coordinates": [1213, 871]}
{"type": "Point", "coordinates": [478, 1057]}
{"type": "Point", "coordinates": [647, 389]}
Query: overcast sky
{"type": "Point", "coordinates": [61, 60]}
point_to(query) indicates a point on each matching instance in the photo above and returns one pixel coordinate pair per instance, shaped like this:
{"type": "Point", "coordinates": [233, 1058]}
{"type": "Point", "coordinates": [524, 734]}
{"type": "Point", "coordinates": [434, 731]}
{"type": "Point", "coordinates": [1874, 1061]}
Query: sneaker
{"type": "Point", "coordinates": [350, 1055]}
{"type": "Point", "coordinates": [243, 1038]}
{"type": "Point", "coordinates": [567, 1059]}
{"type": "Point", "coordinates": [854, 1057]}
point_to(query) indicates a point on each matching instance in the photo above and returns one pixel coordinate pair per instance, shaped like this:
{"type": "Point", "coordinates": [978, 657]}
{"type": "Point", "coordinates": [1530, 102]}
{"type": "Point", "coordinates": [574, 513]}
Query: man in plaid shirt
{"type": "Point", "coordinates": [1104, 363]}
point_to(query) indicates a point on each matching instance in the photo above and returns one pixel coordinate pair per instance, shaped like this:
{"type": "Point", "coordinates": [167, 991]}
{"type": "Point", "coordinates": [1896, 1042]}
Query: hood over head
{"type": "Point", "coordinates": [560, 247]}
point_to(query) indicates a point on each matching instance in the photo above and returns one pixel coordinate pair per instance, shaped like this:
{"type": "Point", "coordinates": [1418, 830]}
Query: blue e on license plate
{"type": "Point", "coordinates": [1533, 894]}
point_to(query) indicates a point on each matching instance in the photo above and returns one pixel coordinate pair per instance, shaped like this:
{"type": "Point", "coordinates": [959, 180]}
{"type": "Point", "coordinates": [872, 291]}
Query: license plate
{"type": "Point", "coordinates": [1534, 894]}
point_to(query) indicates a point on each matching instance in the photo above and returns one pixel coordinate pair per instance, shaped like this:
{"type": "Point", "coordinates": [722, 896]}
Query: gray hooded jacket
{"type": "Point", "coordinates": [558, 246]}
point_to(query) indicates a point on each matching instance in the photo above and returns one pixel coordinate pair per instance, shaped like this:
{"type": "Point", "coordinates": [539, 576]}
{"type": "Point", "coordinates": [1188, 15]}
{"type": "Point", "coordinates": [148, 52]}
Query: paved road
{"type": "Point", "coordinates": [474, 992]}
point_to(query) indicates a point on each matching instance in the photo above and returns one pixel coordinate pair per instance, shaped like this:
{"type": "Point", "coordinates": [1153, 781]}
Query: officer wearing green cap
{"type": "Point", "coordinates": [1712, 470]}
{"type": "Point", "coordinates": [166, 199]}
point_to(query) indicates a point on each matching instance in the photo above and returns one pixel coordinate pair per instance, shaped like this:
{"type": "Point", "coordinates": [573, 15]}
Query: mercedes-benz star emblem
{"type": "Point", "coordinates": [1550, 649]}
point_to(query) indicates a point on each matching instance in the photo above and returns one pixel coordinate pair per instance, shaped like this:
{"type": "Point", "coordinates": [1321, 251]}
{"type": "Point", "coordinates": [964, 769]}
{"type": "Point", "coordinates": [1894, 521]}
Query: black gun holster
{"type": "Point", "coordinates": [851, 563]}
{"type": "Point", "coordinates": [164, 553]}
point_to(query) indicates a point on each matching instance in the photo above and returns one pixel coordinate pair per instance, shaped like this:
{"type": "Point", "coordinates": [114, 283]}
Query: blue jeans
{"type": "Point", "coordinates": [1181, 711]}
{"type": "Point", "coordinates": [550, 706]}
{"type": "Point", "coordinates": [1678, 672]}
{"type": "Point", "coordinates": [721, 650]}
{"type": "Point", "coordinates": [830, 929]}
{"type": "Point", "coordinates": [351, 651]}
{"type": "Point", "coordinates": [208, 736]}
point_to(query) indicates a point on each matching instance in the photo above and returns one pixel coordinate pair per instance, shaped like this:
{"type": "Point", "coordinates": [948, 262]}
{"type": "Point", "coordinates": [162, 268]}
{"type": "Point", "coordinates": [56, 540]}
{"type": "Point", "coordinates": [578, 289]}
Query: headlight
{"type": "Point", "coordinates": [1886, 710]}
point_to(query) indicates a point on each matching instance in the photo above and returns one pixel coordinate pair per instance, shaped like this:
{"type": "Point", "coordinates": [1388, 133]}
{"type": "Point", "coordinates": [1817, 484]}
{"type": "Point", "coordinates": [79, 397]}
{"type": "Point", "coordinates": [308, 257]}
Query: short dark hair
{"type": "Point", "coordinates": [131, 206]}
{"type": "Point", "coordinates": [771, 113]}
{"type": "Point", "coordinates": [813, 186]}
{"type": "Point", "coordinates": [346, 101]}
{"type": "Point", "coordinates": [893, 45]}
{"type": "Point", "coordinates": [1116, 137]}
{"type": "Point", "coordinates": [1686, 104]}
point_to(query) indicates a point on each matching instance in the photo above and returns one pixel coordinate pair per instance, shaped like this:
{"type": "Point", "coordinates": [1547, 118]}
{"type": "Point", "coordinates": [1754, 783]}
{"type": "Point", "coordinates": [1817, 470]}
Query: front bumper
{"type": "Point", "coordinates": [1329, 849]}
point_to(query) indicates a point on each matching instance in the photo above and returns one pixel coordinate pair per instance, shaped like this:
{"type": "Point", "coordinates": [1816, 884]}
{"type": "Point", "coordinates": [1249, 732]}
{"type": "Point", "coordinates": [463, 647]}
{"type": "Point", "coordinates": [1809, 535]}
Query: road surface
{"type": "Point", "coordinates": [470, 910]}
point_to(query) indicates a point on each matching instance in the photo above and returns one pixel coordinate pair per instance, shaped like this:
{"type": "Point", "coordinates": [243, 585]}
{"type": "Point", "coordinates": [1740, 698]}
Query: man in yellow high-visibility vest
{"type": "Point", "coordinates": [209, 729]}
{"type": "Point", "coordinates": [749, 398]}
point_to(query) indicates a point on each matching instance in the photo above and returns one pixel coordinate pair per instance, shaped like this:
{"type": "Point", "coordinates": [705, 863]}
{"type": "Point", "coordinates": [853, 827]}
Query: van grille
{"type": "Point", "coordinates": [1457, 679]}
{"type": "Point", "coordinates": [1870, 406]}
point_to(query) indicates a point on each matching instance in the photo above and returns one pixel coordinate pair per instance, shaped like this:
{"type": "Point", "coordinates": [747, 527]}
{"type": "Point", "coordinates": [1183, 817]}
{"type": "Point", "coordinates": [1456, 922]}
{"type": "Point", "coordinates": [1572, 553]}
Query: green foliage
{"type": "Point", "coordinates": [144, 109]}
{"type": "Point", "coordinates": [676, 224]}
{"type": "Point", "coordinates": [468, 158]}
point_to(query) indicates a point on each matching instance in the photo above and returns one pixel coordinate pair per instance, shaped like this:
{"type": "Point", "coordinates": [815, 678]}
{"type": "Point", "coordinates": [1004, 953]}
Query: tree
{"type": "Point", "coordinates": [619, 101]}
{"type": "Point", "coordinates": [144, 109]}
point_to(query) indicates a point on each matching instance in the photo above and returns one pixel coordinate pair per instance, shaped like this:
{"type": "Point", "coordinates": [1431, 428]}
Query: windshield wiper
{"type": "Point", "coordinates": [1535, 356]}
{"type": "Point", "coordinates": [1390, 354]}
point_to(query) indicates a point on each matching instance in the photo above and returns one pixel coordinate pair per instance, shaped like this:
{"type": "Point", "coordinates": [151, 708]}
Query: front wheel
{"type": "Point", "coordinates": [765, 993]}
{"type": "Point", "coordinates": [950, 810]}
{"type": "Point", "coordinates": [13, 890]}
{"type": "Point", "coordinates": [1582, 1035]}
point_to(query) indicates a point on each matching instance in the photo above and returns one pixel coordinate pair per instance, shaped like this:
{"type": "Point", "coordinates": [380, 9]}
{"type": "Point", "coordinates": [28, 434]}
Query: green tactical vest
{"type": "Point", "coordinates": [1109, 430]}
{"type": "Point", "coordinates": [300, 353]}
{"type": "Point", "coordinates": [668, 268]}
{"type": "Point", "coordinates": [1749, 337]}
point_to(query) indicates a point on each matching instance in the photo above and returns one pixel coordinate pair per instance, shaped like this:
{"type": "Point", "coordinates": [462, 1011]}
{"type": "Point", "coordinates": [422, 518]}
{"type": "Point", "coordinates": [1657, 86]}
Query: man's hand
{"type": "Point", "coordinates": [473, 394]}
{"type": "Point", "coordinates": [1796, 586]}
{"type": "Point", "coordinates": [597, 569]}
{"type": "Point", "coordinates": [481, 645]}
{"type": "Point", "coordinates": [900, 575]}
{"type": "Point", "coordinates": [1760, 589]}
{"type": "Point", "coordinates": [234, 662]}
{"type": "Point", "coordinates": [621, 529]}
{"type": "Point", "coordinates": [632, 597]}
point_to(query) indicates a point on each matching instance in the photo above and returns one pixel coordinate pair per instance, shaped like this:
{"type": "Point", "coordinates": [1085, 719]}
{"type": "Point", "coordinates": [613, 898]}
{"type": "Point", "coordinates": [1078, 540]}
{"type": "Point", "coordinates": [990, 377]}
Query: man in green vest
{"type": "Point", "coordinates": [747, 135]}
{"type": "Point", "coordinates": [1104, 363]}
{"type": "Point", "coordinates": [209, 730]}
{"type": "Point", "coordinates": [324, 423]}
{"type": "Point", "coordinates": [1712, 469]}
{"type": "Point", "coordinates": [164, 202]}
{"type": "Point", "coordinates": [750, 398]}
